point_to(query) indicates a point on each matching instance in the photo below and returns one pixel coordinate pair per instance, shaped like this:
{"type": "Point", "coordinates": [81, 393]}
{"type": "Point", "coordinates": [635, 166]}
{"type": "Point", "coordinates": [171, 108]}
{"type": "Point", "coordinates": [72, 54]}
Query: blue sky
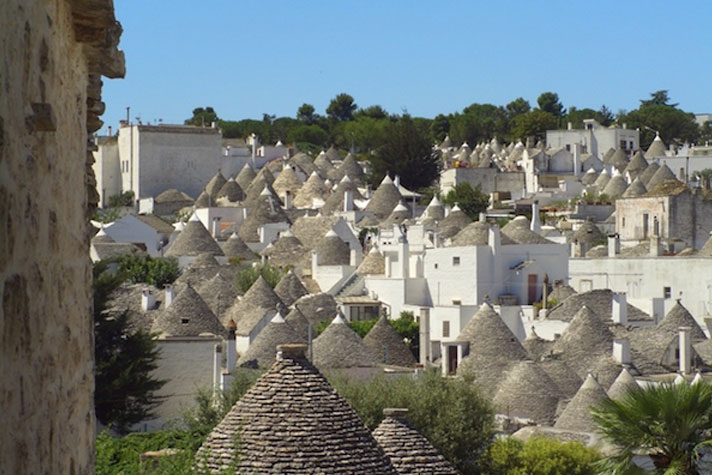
{"type": "Point", "coordinates": [246, 58]}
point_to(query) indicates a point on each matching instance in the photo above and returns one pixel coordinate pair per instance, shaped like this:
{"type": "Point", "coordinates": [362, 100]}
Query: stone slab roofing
{"type": "Point", "coordinates": [292, 422]}
{"type": "Point", "coordinates": [387, 345]}
{"type": "Point", "coordinates": [408, 451]}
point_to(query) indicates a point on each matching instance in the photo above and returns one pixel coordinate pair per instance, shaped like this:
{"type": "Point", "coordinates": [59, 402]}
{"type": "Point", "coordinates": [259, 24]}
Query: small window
{"type": "Point", "coordinates": [568, 147]}
{"type": "Point", "coordinates": [184, 320]}
{"type": "Point", "coordinates": [667, 292]}
{"type": "Point", "coordinates": [623, 222]}
{"type": "Point", "coordinates": [457, 302]}
{"type": "Point", "coordinates": [456, 261]}
{"type": "Point", "coordinates": [435, 266]}
{"type": "Point", "coordinates": [446, 329]}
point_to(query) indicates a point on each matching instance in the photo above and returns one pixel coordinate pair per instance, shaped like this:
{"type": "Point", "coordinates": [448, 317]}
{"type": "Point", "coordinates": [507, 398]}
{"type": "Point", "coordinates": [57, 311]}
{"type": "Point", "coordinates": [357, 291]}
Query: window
{"type": "Point", "coordinates": [446, 329]}
{"type": "Point", "coordinates": [584, 149]}
{"type": "Point", "coordinates": [667, 292]}
{"type": "Point", "coordinates": [456, 261]}
{"type": "Point", "coordinates": [435, 266]}
{"type": "Point", "coordinates": [568, 147]}
{"type": "Point", "coordinates": [184, 320]}
{"type": "Point", "coordinates": [457, 302]}
{"type": "Point", "coordinates": [623, 222]}
{"type": "Point", "coordinates": [624, 144]}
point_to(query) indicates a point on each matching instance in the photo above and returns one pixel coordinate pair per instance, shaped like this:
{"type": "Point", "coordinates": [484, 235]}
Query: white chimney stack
{"type": "Point", "coordinates": [424, 326]}
{"type": "Point", "coordinates": [387, 260]}
{"type": "Point", "coordinates": [217, 367]}
{"type": "Point", "coordinates": [619, 308]}
{"type": "Point", "coordinates": [536, 223]}
{"type": "Point", "coordinates": [216, 227]}
{"type": "Point", "coordinates": [348, 200]}
{"type": "Point", "coordinates": [577, 160]}
{"type": "Point", "coordinates": [396, 181]}
{"type": "Point", "coordinates": [170, 295]}
{"type": "Point", "coordinates": [621, 350]}
{"type": "Point", "coordinates": [614, 245]}
{"type": "Point", "coordinates": [655, 246]}
{"type": "Point", "coordinates": [287, 200]}
{"type": "Point", "coordinates": [148, 300]}
{"type": "Point", "coordinates": [685, 350]}
{"type": "Point", "coordinates": [494, 238]}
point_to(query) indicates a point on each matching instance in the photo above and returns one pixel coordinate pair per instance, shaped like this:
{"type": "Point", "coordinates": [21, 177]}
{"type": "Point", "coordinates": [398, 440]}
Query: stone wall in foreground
{"type": "Point", "coordinates": [52, 56]}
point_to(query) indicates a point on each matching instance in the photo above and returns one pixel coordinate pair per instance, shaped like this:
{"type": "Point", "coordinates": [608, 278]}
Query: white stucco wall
{"type": "Point", "coordinates": [689, 278]}
{"type": "Point", "coordinates": [132, 230]}
{"type": "Point", "coordinates": [107, 169]}
{"type": "Point", "coordinates": [187, 365]}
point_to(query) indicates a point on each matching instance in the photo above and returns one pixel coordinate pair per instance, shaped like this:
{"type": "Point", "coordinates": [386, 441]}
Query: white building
{"type": "Point", "coordinates": [594, 138]}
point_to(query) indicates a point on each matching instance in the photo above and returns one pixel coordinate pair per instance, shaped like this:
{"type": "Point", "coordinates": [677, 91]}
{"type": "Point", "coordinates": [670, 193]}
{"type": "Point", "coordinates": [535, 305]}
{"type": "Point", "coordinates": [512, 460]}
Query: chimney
{"type": "Point", "coordinates": [655, 246]}
{"type": "Point", "coordinates": [577, 249]}
{"type": "Point", "coordinates": [619, 308]}
{"type": "Point", "coordinates": [230, 347]}
{"type": "Point", "coordinates": [291, 351]}
{"type": "Point", "coordinates": [348, 200]}
{"type": "Point", "coordinates": [424, 325]}
{"type": "Point", "coordinates": [621, 350]}
{"type": "Point", "coordinates": [287, 199]}
{"type": "Point", "coordinates": [625, 126]}
{"type": "Point", "coordinates": [569, 126]}
{"type": "Point", "coordinates": [353, 256]}
{"type": "Point", "coordinates": [148, 300]}
{"type": "Point", "coordinates": [396, 181]}
{"type": "Point", "coordinates": [387, 260]}
{"type": "Point", "coordinates": [109, 131]}
{"type": "Point", "coordinates": [215, 227]}
{"type": "Point", "coordinates": [395, 413]}
{"type": "Point", "coordinates": [170, 295]}
{"type": "Point", "coordinates": [685, 350]}
{"type": "Point", "coordinates": [217, 367]}
{"type": "Point", "coordinates": [577, 160]}
{"type": "Point", "coordinates": [614, 245]}
{"type": "Point", "coordinates": [535, 224]}
{"type": "Point", "coordinates": [494, 238]}
{"type": "Point", "coordinates": [483, 218]}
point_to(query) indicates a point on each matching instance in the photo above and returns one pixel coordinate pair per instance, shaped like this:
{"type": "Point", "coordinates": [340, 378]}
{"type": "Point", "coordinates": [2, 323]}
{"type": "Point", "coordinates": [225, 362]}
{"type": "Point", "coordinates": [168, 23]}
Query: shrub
{"type": "Point", "coordinates": [146, 269]}
{"type": "Point", "coordinates": [248, 275]}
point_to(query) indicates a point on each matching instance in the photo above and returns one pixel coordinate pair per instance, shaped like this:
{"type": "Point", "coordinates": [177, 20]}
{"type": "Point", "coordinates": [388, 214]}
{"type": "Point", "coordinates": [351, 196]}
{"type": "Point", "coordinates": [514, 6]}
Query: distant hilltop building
{"type": "Point", "coordinates": [594, 138]}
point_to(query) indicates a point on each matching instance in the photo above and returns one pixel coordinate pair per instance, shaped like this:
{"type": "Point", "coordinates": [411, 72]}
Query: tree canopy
{"type": "Point", "coordinates": [549, 102]}
{"type": "Point", "coordinates": [341, 107]}
{"type": "Point", "coordinates": [202, 116]}
{"type": "Point", "coordinates": [470, 200]}
{"type": "Point", "coordinates": [657, 115]}
{"type": "Point", "coordinates": [406, 151]}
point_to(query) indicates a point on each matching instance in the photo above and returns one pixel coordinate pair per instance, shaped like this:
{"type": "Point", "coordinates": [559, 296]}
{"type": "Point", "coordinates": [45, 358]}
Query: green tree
{"type": "Point", "coordinates": [477, 123]}
{"type": "Point", "coordinates": [674, 125]}
{"type": "Point", "coordinates": [306, 114]}
{"type": "Point", "coordinates": [657, 98]}
{"type": "Point", "coordinates": [202, 116]}
{"type": "Point", "coordinates": [669, 422]}
{"type": "Point", "coordinates": [439, 128]}
{"type": "Point", "coordinates": [470, 200]}
{"type": "Point", "coordinates": [365, 132]}
{"type": "Point", "coordinates": [517, 107]}
{"type": "Point", "coordinates": [249, 274]}
{"type": "Point", "coordinates": [539, 456]}
{"type": "Point", "coordinates": [158, 272]}
{"type": "Point", "coordinates": [406, 151]}
{"type": "Point", "coordinates": [705, 133]}
{"type": "Point", "coordinates": [407, 326]}
{"type": "Point", "coordinates": [374, 112]}
{"type": "Point", "coordinates": [341, 108]}
{"type": "Point", "coordinates": [533, 124]}
{"type": "Point", "coordinates": [122, 199]}
{"type": "Point", "coordinates": [549, 102]}
{"type": "Point", "coordinates": [312, 134]}
{"type": "Point", "coordinates": [605, 116]}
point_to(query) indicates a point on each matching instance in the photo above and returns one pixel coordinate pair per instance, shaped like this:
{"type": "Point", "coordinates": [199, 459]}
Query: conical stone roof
{"type": "Point", "coordinates": [266, 210]}
{"type": "Point", "coordinates": [323, 163]}
{"type": "Point", "coordinates": [313, 188]}
{"type": "Point", "coordinates": [194, 240]}
{"type": "Point", "coordinates": [290, 289]}
{"type": "Point", "coordinates": [663, 174]}
{"type": "Point", "coordinates": [493, 348]}
{"type": "Point", "coordinates": [333, 154]}
{"type": "Point", "coordinates": [657, 148]}
{"type": "Point", "coordinates": [350, 167]}
{"type": "Point", "coordinates": [577, 415]}
{"type": "Point", "coordinates": [339, 346]}
{"type": "Point", "coordinates": [408, 451]}
{"type": "Point", "coordinates": [258, 188]}
{"type": "Point", "coordinates": [585, 339]}
{"type": "Point", "coordinates": [203, 200]}
{"type": "Point", "coordinates": [231, 191]}
{"type": "Point", "coordinates": [387, 345]}
{"type": "Point", "coordinates": [287, 181]}
{"type": "Point", "coordinates": [536, 346]}
{"type": "Point", "coordinates": [618, 160]}
{"type": "Point", "coordinates": [648, 173]}
{"type": "Point", "coordinates": [317, 308]}
{"type": "Point", "coordinates": [172, 195]}
{"type": "Point", "coordinates": [561, 374]}
{"type": "Point", "coordinates": [384, 199]}
{"type": "Point", "coordinates": [304, 162]}
{"type": "Point", "coordinates": [607, 156]}
{"type": "Point", "coordinates": [261, 352]}
{"type": "Point", "coordinates": [286, 251]}
{"type": "Point", "coordinates": [474, 234]}
{"type": "Point", "coordinates": [602, 179]}
{"type": "Point", "coordinates": [527, 392]}
{"type": "Point", "coordinates": [188, 315]}
{"type": "Point", "coordinates": [589, 234]}
{"type": "Point", "coordinates": [435, 210]}
{"type": "Point", "coordinates": [292, 421]}
{"type": "Point", "coordinates": [637, 165]}
{"type": "Point", "coordinates": [456, 218]}
{"type": "Point", "coordinates": [623, 383]}
{"type": "Point", "coordinates": [335, 201]}
{"type": "Point", "coordinates": [399, 214]}
{"type": "Point", "coordinates": [635, 189]}
{"type": "Point", "coordinates": [245, 177]}
{"type": "Point", "coordinates": [333, 251]}
{"type": "Point", "coordinates": [589, 178]}
{"type": "Point", "coordinates": [678, 316]}
{"type": "Point", "coordinates": [249, 310]}
{"type": "Point", "coordinates": [214, 185]}
{"type": "Point", "coordinates": [373, 264]}
{"type": "Point", "coordinates": [218, 293]}
{"type": "Point", "coordinates": [615, 187]}
{"type": "Point", "coordinates": [299, 324]}
{"type": "Point", "coordinates": [236, 248]}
